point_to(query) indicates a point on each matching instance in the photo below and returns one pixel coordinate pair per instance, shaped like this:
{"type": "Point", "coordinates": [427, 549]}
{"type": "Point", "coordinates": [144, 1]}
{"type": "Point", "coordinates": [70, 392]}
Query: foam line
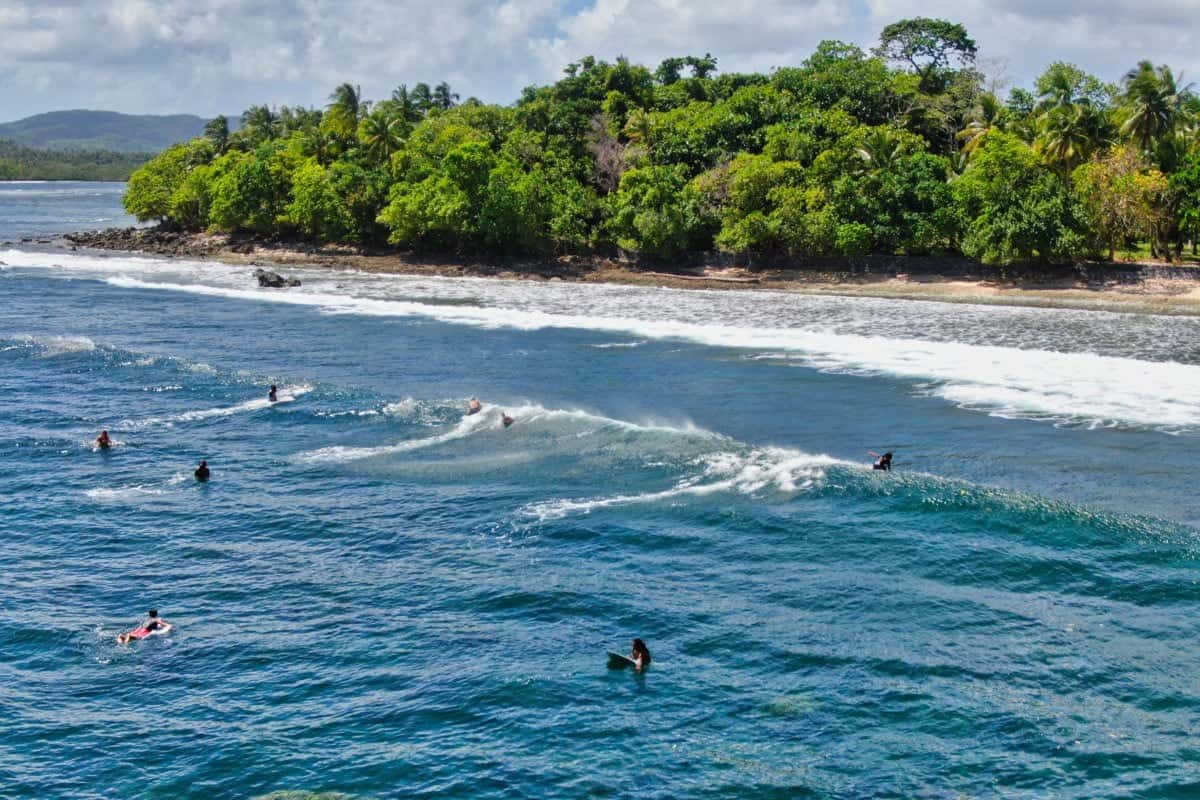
{"type": "Point", "coordinates": [1071, 387]}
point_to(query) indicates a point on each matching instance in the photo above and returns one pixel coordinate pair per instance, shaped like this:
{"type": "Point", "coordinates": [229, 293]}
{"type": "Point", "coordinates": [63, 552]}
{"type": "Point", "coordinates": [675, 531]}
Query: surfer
{"type": "Point", "coordinates": [103, 441]}
{"type": "Point", "coordinates": [202, 472]}
{"type": "Point", "coordinates": [883, 462]}
{"type": "Point", "coordinates": [640, 656]}
{"type": "Point", "coordinates": [271, 394]}
{"type": "Point", "coordinates": [153, 624]}
{"type": "Point", "coordinates": [474, 406]}
{"type": "Point", "coordinates": [506, 419]}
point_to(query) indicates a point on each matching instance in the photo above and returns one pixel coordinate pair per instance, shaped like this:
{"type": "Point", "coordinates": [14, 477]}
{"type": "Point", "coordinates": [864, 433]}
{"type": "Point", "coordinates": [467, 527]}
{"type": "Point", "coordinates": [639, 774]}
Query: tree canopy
{"type": "Point", "coordinates": [895, 151]}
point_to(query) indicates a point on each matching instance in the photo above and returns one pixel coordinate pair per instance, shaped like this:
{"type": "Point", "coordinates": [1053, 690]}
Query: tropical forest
{"type": "Point", "coordinates": [909, 148]}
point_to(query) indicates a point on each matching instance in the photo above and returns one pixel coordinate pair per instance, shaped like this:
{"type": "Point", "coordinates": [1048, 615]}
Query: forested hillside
{"type": "Point", "coordinates": [26, 164]}
{"type": "Point", "coordinates": [900, 150]}
{"type": "Point", "coordinates": [102, 130]}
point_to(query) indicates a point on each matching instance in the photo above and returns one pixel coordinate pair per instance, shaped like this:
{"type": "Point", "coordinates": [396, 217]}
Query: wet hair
{"type": "Point", "coordinates": [272, 387]}
{"type": "Point", "coordinates": [153, 612]}
{"type": "Point", "coordinates": [640, 647]}
{"type": "Point", "coordinates": [203, 463]}
{"type": "Point", "coordinates": [887, 454]}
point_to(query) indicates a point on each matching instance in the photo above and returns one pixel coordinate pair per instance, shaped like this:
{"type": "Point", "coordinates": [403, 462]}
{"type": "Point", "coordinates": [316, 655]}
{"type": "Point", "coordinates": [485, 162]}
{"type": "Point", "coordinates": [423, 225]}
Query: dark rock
{"type": "Point", "coordinates": [273, 280]}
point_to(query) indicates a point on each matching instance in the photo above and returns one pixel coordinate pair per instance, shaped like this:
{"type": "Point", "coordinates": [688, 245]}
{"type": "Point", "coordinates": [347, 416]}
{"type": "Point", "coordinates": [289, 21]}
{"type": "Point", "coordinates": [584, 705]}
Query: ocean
{"type": "Point", "coordinates": [377, 596]}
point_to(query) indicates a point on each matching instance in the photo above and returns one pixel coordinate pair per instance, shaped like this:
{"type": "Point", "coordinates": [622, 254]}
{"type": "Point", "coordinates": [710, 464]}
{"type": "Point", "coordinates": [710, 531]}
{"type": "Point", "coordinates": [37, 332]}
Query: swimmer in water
{"type": "Point", "coordinates": [202, 472]}
{"type": "Point", "coordinates": [153, 624]}
{"type": "Point", "coordinates": [883, 462]}
{"type": "Point", "coordinates": [506, 419]}
{"type": "Point", "coordinates": [271, 394]}
{"type": "Point", "coordinates": [103, 441]}
{"type": "Point", "coordinates": [640, 656]}
{"type": "Point", "coordinates": [474, 406]}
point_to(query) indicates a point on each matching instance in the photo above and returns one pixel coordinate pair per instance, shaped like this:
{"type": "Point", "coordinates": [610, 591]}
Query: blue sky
{"type": "Point", "coordinates": [220, 56]}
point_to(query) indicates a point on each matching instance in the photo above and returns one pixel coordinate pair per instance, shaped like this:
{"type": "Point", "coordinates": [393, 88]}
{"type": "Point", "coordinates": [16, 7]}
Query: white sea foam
{"type": "Point", "coordinates": [767, 469]}
{"type": "Point", "coordinates": [104, 495]}
{"type": "Point", "coordinates": [50, 346]}
{"type": "Point", "coordinates": [286, 394]}
{"type": "Point", "coordinates": [1028, 381]}
{"type": "Point", "coordinates": [574, 423]}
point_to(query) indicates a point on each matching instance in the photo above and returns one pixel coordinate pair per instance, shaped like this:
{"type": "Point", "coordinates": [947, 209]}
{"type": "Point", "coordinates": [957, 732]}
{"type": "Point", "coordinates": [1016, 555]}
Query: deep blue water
{"type": "Point", "coordinates": [378, 596]}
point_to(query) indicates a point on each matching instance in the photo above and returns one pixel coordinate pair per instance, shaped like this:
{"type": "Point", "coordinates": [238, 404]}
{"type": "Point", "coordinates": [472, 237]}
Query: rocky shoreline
{"type": "Point", "coordinates": [1150, 288]}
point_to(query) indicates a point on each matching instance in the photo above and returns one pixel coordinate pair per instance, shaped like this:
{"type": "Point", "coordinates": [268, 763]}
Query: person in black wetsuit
{"type": "Point", "coordinates": [271, 394]}
{"type": "Point", "coordinates": [506, 420]}
{"type": "Point", "coordinates": [103, 441]}
{"type": "Point", "coordinates": [640, 656]}
{"type": "Point", "coordinates": [202, 472]}
{"type": "Point", "coordinates": [883, 462]}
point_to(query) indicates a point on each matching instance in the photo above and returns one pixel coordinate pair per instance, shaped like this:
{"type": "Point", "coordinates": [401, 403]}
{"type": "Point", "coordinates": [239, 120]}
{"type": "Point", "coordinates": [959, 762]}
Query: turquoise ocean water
{"type": "Point", "coordinates": [378, 596]}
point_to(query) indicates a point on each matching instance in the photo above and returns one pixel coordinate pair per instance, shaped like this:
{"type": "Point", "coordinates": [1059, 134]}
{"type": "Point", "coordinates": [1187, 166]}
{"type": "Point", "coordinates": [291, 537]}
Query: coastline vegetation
{"type": "Point", "coordinates": [906, 149]}
{"type": "Point", "coordinates": [19, 163]}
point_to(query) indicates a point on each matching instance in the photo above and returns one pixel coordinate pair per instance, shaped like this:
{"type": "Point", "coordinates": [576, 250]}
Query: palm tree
{"type": "Point", "coordinates": [987, 116]}
{"type": "Point", "coordinates": [1065, 136]}
{"type": "Point", "coordinates": [880, 149]}
{"type": "Point", "coordinates": [260, 123]}
{"type": "Point", "coordinates": [345, 109]}
{"type": "Point", "coordinates": [1154, 103]}
{"type": "Point", "coordinates": [422, 98]}
{"type": "Point", "coordinates": [382, 134]}
{"type": "Point", "coordinates": [443, 98]}
{"type": "Point", "coordinates": [347, 100]}
{"type": "Point", "coordinates": [405, 104]}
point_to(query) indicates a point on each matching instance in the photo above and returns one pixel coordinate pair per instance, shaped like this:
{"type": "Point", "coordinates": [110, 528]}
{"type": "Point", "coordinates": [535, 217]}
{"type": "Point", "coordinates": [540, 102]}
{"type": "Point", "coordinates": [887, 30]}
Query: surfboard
{"type": "Point", "coordinates": [618, 661]}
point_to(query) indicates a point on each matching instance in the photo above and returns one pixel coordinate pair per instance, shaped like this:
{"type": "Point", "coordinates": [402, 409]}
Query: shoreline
{"type": "Point", "coordinates": [1154, 295]}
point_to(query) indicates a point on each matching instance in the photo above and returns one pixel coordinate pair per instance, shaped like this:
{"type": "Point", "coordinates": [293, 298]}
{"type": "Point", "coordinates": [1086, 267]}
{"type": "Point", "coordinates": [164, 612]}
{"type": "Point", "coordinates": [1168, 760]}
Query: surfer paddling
{"type": "Point", "coordinates": [103, 441]}
{"type": "Point", "coordinates": [883, 462]}
{"type": "Point", "coordinates": [154, 625]}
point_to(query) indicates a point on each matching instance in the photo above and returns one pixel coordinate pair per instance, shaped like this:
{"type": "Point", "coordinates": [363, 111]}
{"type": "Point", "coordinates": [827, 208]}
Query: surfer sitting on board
{"type": "Point", "coordinates": [640, 656]}
{"type": "Point", "coordinates": [153, 624]}
{"type": "Point", "coordinates": [103, 441]}
{"type": "Point", "coordinates": [883, 462]}
{"type": "Point", "coordinates": [271, 394]}
{"type": "Point", "coordinates": [202, 472]}
{"type": "Point", "coordinates": [474, 406]}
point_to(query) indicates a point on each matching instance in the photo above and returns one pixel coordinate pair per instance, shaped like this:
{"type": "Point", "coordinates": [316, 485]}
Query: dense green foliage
{"type": "Point", "coordinates": [26, 164]}
{"type": "Point", "coordinates": [898, 151]}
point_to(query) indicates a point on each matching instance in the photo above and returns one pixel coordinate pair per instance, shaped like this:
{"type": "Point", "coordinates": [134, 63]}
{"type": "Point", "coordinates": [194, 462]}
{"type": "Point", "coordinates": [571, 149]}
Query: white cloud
{"type": "Point", "coordinates": [223, 55]}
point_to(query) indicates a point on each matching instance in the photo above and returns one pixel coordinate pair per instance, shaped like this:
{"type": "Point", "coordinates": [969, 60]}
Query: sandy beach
{"type": "Point", "coordinates": [1180, 296]}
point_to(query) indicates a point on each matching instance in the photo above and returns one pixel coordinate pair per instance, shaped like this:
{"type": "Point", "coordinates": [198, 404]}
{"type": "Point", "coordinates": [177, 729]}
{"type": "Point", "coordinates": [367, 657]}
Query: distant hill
{"type": "Point", "coordinates": [104, 130]}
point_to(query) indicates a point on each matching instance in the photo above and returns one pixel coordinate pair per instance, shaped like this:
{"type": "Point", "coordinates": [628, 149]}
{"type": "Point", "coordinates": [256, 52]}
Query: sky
{"type": "Point", "coordinates": [221, 56]}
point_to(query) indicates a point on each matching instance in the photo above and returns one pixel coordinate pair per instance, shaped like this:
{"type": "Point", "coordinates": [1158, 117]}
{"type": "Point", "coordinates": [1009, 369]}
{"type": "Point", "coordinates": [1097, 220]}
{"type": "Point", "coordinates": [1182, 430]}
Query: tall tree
{"type": "Point", "coordinates": [929, 46]}
{"type": "Point", "coordinates": [217, 132]}
{"type": "Point", "coordinates": [443, 98]}
{"type": "Point", "coordinates": [1153, 102]}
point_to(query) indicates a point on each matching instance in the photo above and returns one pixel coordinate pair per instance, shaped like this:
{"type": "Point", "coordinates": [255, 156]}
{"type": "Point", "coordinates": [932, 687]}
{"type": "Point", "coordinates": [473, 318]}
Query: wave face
{"type": "Point", "coordinates": [380, 591]}
{"type": "Point", "coordinates": [1095, 369]}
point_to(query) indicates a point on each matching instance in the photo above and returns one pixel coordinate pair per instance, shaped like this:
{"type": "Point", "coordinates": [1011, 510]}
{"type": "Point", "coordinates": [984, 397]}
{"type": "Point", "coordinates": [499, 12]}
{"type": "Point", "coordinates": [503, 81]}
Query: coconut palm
{"type": "Point", "coordinates": [880, 149]}
{"type": "Point", "coordinates": [1065, 136]}
{"type": "Point", "coordinates": [382, 134]}
{"type": "Point", "coordinates": [260, 123]}
{"type": "Point", "coordinates": [406, 104]}
{"type": "Point", "coordinates": [443, 98]}
{"type": "Point", "coordinates": [1154, 103]}
{"type": "Point", "coordinates": [987, 116]}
